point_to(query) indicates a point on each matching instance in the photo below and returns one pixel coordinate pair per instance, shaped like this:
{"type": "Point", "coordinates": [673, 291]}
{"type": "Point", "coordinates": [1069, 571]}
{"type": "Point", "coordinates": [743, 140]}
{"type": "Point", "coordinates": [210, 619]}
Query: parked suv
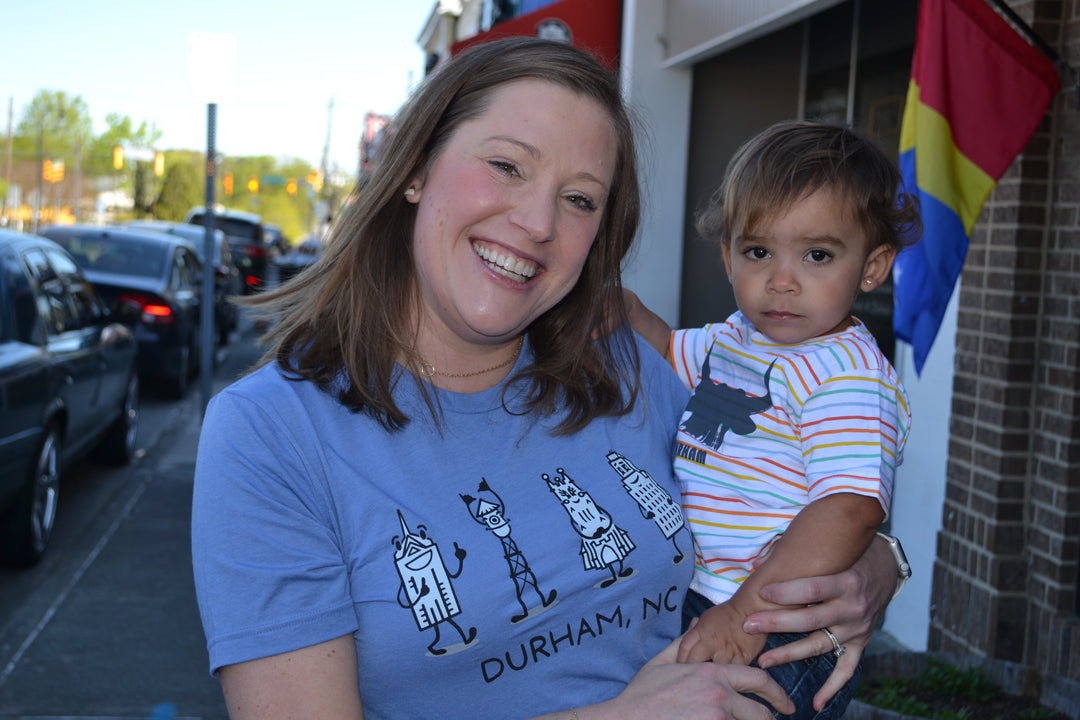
{"type": "Point", "coordinates": [246, 237]}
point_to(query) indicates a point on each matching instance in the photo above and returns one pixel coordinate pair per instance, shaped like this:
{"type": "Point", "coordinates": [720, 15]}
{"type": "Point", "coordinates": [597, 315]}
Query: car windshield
{"type": "Point", "coordinates": [116, 255]}
{"type": "Point", "coordinates": [234, 228]}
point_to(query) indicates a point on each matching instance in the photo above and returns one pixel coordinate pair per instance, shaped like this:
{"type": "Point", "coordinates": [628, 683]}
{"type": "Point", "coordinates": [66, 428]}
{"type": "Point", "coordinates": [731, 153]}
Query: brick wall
{"type": "Point", "coordinates": [1005, 580]}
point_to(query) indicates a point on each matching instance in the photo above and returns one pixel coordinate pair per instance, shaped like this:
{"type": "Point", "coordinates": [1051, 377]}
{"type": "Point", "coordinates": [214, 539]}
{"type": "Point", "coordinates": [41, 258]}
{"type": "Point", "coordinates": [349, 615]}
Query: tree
{"type": "Point", "coordinates": [54, 125]}
{"type": "Point", "coordinates": [121, 130]}
{"type": "Point", "coordinates": [184, 187]}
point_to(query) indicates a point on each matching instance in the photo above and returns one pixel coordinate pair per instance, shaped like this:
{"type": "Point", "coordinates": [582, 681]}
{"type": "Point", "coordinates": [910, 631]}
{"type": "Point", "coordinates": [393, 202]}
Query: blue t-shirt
{"type": "Point", "coordinates": [483, 565]}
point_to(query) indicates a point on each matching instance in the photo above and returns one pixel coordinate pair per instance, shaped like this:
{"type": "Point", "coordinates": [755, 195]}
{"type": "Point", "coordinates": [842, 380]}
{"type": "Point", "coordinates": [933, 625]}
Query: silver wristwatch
{"type": "Point", "coordinates": [903, 567]}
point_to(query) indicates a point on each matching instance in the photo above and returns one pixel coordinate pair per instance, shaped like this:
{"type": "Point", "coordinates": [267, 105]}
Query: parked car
{"type": "Point", "coordinates": [247, 240]}
{"type": "Point", "coordinates": [153, 278]}
{"type": "Point", "coordinates": [227, 282]}
{"type": "Point", "coordinates": [68, 387]}
{"type": "Point", "coordinates": [300, 256]}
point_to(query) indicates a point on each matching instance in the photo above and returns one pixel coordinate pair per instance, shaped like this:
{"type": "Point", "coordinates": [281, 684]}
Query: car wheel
{"type": "Point", "coordinates": [29, 522]}
{"type": "Point", "coordinates": [118, 445]}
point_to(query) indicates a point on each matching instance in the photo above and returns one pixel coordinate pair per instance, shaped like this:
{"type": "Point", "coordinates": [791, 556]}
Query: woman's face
{"type": "Point", "coordinates": [508, 210]}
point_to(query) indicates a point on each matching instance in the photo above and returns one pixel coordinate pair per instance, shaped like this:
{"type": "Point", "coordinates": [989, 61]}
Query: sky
{"type": "Point", "coordinates": [293, 59]}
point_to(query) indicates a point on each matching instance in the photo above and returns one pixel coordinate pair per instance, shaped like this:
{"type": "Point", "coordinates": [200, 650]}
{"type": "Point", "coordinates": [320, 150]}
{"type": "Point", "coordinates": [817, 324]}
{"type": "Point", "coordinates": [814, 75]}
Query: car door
{"type": "Point", "coordinates": [73, 350]}
{"type": "Point", "coordinates": [24, 373]}
{"type": "Point", "coordinates": [187, 285]}
{"type": "Point", "coordinates": [112, 343]}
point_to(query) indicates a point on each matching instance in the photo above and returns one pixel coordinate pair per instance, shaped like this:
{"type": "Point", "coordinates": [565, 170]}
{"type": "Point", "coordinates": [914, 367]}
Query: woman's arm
{"type": "Point", "coordinates": [849, 603]}
{"type": "Point", "coordinates": [320, 681]}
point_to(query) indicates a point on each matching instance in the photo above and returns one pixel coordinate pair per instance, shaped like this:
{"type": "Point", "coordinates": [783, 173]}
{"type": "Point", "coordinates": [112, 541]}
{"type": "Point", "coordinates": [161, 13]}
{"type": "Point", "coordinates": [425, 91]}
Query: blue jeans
{"type": "Point", "coordinates": [800, 679]}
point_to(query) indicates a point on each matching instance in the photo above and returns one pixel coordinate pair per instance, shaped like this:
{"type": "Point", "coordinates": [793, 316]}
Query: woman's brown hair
{"type": "Point", "coordinates": [345, 322]}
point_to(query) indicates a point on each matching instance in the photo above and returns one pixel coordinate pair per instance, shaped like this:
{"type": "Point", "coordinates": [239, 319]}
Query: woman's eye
{"type": "Point", "coordinates": [819, 256]}
{"type": "Point", "coordinates": [582, 202]}
{"type": "Point", "coordinates": [504, 166]}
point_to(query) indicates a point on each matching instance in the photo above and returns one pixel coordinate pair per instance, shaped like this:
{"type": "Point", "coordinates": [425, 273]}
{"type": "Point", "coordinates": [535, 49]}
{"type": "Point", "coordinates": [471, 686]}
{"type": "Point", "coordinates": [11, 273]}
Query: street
{"type": "Point", "coordinates": [107, 626]}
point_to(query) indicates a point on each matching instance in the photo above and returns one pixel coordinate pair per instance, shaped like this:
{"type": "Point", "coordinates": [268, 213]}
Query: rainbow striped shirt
{"type": "Point", "coordinates": [770, 428]}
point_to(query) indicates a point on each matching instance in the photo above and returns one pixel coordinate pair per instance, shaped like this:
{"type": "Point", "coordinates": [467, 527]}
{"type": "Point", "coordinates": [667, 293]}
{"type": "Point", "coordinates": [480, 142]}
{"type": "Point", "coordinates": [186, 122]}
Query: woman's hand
{"type": "Point", "coordinates": [696, 691]}
{"type": "Point", "coordinates": [849, 604]}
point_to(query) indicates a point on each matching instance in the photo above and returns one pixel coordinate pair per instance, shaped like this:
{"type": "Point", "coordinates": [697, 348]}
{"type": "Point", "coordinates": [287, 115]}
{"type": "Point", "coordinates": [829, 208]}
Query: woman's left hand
{"type": "Point", "coordinates": [849, 604]}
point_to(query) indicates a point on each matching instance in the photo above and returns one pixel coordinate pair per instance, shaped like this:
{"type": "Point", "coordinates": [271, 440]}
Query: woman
{"type": "Point", "coordinates": [439, 495]}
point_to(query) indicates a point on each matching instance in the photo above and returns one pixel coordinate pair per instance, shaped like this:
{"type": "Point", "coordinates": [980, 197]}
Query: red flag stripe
{"type": "Point", "coordinates": [974, 69]}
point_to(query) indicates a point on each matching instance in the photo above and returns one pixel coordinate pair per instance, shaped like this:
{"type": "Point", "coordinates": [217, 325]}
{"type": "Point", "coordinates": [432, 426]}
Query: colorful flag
{"type": "Point", "coordinates": [978, 91]}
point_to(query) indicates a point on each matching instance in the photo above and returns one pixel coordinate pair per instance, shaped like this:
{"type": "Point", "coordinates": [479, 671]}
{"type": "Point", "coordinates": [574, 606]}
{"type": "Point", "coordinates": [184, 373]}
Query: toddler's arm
{"type": "Point", "coordinates": [826, 537]}
{"type": "Point", "coordinates": [648, 324]}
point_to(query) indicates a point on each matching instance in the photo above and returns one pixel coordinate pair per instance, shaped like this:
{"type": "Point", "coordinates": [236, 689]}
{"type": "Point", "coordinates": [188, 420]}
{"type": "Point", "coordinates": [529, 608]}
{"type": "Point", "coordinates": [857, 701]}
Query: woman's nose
{"type": "Point", "coordinates": [535, 214]}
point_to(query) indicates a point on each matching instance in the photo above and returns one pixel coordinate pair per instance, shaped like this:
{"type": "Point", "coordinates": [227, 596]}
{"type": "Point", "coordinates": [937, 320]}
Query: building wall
{"type": "Point", "coordinates": [1005, 581]}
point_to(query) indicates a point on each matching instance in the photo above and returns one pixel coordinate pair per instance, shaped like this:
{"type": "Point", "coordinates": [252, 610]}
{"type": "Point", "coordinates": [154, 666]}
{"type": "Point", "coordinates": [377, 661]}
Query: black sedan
{"type": "Point", "coordinates": [227, 281]}
{"type": "Point", "coordinates": [68, 386]}
{"type": "Point", "coordinates": [155, 277]}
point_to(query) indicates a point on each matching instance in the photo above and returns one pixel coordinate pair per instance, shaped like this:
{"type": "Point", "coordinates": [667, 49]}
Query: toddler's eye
{"type": "Point", "coordinates": [819, 256]}
{"type": "Point", "coordinates": [757, 253]}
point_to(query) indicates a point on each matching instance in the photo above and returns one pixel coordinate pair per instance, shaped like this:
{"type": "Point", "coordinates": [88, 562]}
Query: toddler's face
{"type": "Point", "coordinates": [796, 273]}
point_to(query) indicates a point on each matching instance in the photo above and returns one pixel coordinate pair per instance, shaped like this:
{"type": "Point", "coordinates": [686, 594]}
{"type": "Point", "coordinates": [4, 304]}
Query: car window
{"type": "Point", "coordinates": [88, 307]}
{"type": "Point", "coordinates": [25, 321]}
{"type": "Point", "coordinates": [54, 306]}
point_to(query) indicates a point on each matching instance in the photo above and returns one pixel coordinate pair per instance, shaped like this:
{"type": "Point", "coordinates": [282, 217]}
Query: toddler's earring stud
{"type": "Point", "coordinates": [410, 192]}
{"type": "Point", "coordinates": [868, 281]}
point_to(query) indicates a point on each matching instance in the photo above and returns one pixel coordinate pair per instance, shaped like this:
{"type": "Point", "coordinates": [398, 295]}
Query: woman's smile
{"type": "Point", "coordinates": [505, 263]}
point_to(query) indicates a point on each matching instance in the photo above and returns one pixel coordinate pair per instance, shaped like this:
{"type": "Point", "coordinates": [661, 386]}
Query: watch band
{"type": "Point", "coordinates": [903, 567]}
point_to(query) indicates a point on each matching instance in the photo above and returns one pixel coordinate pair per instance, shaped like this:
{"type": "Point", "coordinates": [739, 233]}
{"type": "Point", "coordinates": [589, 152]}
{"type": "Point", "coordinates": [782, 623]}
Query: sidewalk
{"type": "Point", "coordinates": [123, 639]}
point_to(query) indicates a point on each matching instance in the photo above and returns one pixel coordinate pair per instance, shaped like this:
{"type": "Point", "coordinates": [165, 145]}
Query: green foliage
{"type": "Point", "coordinates": [971, 684]}
{"type": "Point", "coordinates": [182, 189]}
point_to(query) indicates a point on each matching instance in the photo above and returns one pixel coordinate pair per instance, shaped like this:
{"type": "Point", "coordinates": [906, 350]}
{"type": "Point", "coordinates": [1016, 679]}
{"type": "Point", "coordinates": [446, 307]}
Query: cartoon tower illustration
{"type": "Point", "coordinates": [425, 582]}
{"type": "Point", "coordinates": [603, 544]}
{"type": "Point", "coordinates": [491, 513]}
{"type": "Point", "coordinates": [655, 502]}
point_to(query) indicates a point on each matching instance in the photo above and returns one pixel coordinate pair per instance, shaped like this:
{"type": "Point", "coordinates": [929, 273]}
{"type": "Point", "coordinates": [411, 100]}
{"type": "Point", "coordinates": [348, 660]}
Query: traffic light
{"type": "Point", "coordinates": [52, 171]}
{"type": "Point", "coordinates": [290, 186]}
{"type": "Point", "coordinates": [253, 185]}
{"type": "Point", "coordinates": [117, 157]}
{"type": "Point", "coordinates": [315, 180]}
{"type": "Point", "coordinates": [227, 181]}
{"type": "Point", "coordinates": [159, 164]}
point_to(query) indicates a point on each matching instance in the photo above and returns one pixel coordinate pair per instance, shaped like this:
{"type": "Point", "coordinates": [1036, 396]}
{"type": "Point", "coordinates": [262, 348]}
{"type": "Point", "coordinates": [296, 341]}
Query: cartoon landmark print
{"type": "Point", "coordinates": [425, 583]}
{"type": "Point", "coordinates": [655, 503]}
{"type": "Point", "coordinates": [490, 511]}
{"type": "Point", "coordinates": [603, 544]}
{"type": "Point", "coordinates": [716, 408]}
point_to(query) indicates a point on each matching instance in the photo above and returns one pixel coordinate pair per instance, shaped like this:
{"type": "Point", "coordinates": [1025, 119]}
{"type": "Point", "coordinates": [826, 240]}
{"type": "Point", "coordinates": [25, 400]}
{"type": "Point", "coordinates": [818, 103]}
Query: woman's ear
{"type": "Point", "coordinates": [877, 267]}
{"type": "Point", "coordinates": [413, 189]}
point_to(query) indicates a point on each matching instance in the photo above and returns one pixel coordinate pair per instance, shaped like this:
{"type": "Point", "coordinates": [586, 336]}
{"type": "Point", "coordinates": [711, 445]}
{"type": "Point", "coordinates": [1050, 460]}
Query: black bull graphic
{"type": "Point", "coordinates": [716, 408]}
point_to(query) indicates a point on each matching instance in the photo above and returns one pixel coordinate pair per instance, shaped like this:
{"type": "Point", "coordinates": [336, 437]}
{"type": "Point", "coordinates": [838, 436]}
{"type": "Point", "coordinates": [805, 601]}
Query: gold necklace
{"type": "Point", "coordinates": [428, 370]}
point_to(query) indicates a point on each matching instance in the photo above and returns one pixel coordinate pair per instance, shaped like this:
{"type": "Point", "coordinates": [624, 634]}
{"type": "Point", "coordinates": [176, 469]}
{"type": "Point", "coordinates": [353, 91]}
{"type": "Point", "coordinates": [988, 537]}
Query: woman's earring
{"type": "Point", "coordinates": [410, 192]}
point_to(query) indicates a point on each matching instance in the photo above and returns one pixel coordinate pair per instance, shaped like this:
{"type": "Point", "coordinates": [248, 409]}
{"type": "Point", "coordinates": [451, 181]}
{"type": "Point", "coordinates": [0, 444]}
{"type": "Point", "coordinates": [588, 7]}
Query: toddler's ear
{"type": "Point", "coordinates": [877, 267]}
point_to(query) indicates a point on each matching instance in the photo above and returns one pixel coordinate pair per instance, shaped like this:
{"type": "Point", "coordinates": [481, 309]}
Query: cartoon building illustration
{"type": "Point", "coordinates": [425, 583]}
{"type": "Point", "coordinates": [490, 511]}
{"type": "Point", "coordinates": [603, 544]}
{"type": "Point", "coordinates": [656, 504]}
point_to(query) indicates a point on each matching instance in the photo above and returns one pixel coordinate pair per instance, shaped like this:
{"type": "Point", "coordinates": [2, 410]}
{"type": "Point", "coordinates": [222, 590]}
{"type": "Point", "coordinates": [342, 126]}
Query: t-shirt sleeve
{"type": "Point", "coordinates": [268, 566]}
{"type": "Point", "coordinates": [689, 348]}
{"type": "Point", "coordinates": [853, 430]}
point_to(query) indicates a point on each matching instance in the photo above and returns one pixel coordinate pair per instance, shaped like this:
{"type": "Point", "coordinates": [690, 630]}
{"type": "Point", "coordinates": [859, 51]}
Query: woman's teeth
{"type": "Point", "coordinates": [509, 267]}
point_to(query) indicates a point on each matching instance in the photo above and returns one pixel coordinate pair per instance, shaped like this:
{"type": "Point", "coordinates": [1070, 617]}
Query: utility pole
{"type": "Point", "coordinates": [7, 153]}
